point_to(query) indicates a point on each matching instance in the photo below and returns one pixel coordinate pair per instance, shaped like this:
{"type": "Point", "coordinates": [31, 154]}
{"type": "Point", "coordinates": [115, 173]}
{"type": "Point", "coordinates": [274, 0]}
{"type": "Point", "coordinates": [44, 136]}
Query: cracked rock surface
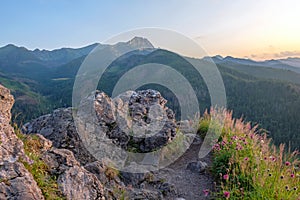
{"type": "Point", "coordinates": [15, 181]}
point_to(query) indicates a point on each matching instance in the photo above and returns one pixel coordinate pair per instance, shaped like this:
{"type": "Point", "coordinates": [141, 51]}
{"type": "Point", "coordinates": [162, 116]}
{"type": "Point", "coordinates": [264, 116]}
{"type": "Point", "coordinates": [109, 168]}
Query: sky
{"type": "Point", "coordinates": [265, 29]}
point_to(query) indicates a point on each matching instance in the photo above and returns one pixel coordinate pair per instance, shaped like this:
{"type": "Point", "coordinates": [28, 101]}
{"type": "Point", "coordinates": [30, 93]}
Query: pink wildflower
{"type": "Point", "coordinates": [292, 175]}
{"type": "Point", "coordinates": [272, 158]}
{"type": "Point", "coordinates": [217, 147]}
{"type": "Point", "coordinates": [206, 192]}
{"type": "Point", "coordinates": [226, 194]}
{"type": "Point", "coordinates": [234, 137]}
{"type": "Point", "coordinates": [239, 147]}
{"type": "Point", "coordinates": [223, 143]}
{"type": "Point", "coordinates": [226, 177]}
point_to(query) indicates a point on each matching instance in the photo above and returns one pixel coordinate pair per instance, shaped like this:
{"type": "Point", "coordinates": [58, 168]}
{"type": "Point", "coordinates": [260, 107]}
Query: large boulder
{"type": "Point", "coordinates": [138, 121]}
{"type": "Point", "coordinates": [15, 181]}
{"type": "Point", "coordinates": [74, 181]}
{"type": "Point", "coordinates": [135, 121]}
{"type": "Point", "coordinates": [59, 127]}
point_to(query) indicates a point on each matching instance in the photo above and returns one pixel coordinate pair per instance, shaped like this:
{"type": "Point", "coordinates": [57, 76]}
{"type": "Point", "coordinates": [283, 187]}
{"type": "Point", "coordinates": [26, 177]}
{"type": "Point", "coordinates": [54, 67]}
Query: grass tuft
{"type": "Point", "coordinates": [247, 166]}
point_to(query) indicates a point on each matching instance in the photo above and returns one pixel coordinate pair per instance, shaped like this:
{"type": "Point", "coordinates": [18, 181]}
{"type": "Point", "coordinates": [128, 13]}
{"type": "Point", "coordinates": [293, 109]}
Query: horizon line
{"type": "Point", "coordinates": [98, 43]}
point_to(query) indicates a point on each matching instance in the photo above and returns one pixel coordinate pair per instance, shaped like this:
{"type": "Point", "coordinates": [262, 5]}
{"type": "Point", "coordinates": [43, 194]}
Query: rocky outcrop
{"type": "Point", "coordinates": [59, 128]}
{"type": "Point", "coordinates": [15, 181]}
{"type": "Point", "coordinates": [78, 172]}
{"type": "Point", "coordinates": [135, 121]}
{"type": "Point", "coordinates": [74, 181]}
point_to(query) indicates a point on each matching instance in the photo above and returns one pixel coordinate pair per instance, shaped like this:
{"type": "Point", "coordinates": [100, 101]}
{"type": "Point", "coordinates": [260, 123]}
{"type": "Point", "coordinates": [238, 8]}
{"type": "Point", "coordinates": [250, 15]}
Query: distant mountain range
{"type": "Point", "coordinates": [61, 56]}
{"type": "Point", "coordinates": [266, 92]}
{"type": "Point", "coordinates": [292, 64]}
{"type": "Point", "coordinates": [14, 55]}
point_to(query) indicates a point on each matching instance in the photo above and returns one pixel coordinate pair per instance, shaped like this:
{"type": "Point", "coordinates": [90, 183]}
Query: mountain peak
{"type": "Point", "coordinates": [229, 58]}
{"type": "Point", "coordinates": [218, 57]}
{"type": "Point", "coordinates": [10, 47]}
{"type": "Point", "coordinates": [140, 42]}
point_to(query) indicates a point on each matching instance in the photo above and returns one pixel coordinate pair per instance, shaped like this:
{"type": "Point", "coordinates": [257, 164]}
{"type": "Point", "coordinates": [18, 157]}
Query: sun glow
{"type": "Point", "coordinates": [270, 31]}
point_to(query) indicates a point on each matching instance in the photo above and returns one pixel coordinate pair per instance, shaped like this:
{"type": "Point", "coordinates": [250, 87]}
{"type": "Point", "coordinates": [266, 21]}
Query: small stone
{"type": "Point", "coordinates": [197, 167]}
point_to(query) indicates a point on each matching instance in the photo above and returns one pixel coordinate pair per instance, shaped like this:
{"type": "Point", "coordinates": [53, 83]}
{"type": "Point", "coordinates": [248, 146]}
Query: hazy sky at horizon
{"type": "Point", "coordinates": [242, 28]}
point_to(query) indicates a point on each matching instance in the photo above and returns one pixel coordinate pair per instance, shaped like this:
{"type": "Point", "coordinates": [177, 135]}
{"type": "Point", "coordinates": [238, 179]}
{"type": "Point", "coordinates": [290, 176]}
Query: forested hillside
{"type": "Point", "coordinates": [261, 94]}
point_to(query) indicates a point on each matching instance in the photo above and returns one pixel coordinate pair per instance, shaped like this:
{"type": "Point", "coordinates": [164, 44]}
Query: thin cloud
{"type": "Point", "coordinates": [282, 54]}
{"type": "Point", "coordinates": [289, 53]}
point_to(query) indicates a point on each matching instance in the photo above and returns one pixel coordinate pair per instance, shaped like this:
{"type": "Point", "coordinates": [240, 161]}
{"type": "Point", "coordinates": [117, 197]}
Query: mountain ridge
{"type": "Point", "coordinates": [138, 40]}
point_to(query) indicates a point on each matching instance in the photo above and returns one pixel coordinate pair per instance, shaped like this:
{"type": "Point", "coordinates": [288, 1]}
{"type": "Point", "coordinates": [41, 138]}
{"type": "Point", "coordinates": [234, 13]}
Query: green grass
{"type": "Point", "coordinates": [38, 168]}
{"type": "Point", "coordinates": [247, 166]}
{"type": "Point", "coordinates": [17, 86]}
{"type": "Point", "coordinates": [120, 193]}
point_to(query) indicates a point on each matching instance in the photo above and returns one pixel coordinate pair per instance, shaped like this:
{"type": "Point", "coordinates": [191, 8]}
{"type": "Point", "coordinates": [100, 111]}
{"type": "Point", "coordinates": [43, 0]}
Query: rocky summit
{"type": "Point", "coordinates": [136, 119]}
{"type": "Point", "coordinates": [127, 122]}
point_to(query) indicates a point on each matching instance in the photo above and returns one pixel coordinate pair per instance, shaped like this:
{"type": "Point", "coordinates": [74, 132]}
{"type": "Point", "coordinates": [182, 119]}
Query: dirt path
{"type": "Point", "coordinates": [189, 185]}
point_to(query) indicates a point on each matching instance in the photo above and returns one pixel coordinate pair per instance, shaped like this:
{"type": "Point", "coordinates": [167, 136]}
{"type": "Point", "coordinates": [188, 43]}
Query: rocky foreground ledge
{"type": "Point", "coordinates": [77, 173]}
{"type": "Point", "coordinates": [15, 181]}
